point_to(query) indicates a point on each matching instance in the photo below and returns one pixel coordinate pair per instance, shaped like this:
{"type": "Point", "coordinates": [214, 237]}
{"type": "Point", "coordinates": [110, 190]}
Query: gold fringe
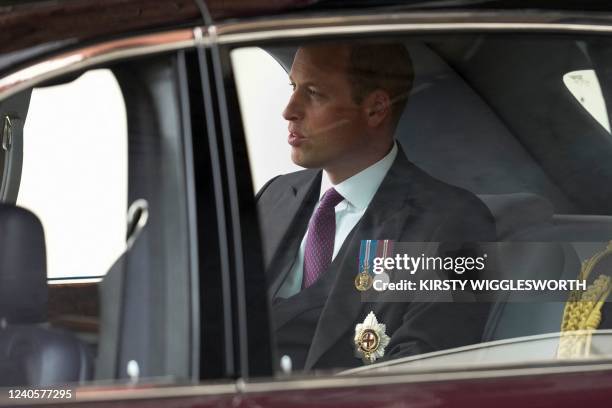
{"type": "Point", "coordinates": [582, 312]}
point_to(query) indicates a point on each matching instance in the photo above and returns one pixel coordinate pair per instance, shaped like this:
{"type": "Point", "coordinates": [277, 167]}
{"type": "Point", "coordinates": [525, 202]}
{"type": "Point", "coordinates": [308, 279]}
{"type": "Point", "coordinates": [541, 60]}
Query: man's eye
{"type": "Point", "coordinates": [312, 92]}
{"type": "Point", "coordinates": [292, 85]}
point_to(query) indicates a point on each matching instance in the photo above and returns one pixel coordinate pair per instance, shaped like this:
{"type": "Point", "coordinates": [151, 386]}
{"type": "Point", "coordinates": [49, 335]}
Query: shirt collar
{"type": "Point", "coordinates": [358, 190]}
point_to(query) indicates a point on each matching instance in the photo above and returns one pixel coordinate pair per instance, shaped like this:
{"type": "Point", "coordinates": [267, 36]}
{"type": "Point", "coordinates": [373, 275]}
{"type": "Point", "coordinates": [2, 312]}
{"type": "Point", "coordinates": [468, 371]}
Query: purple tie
{"type": "Point", "coordinates": [320, 239]}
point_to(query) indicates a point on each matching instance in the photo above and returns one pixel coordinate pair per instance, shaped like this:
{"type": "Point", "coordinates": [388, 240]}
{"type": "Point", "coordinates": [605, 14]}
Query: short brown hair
{"type": "Point", "coordinates": [386, 66]}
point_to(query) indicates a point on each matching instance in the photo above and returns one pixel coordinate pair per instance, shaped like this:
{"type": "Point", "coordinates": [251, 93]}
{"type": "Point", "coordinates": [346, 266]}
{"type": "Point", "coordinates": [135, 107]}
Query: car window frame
{"type": "Point", "coordinates": [247, 327]}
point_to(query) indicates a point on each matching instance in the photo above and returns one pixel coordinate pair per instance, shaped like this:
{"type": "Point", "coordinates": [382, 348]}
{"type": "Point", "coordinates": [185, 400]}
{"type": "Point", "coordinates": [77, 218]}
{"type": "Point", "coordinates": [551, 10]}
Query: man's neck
{"type": "Point", "coordinates": [347, 170]}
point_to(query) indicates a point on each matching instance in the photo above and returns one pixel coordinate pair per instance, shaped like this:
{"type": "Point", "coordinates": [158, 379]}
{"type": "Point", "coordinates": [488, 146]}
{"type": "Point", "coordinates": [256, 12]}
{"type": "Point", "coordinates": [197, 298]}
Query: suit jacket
{"type": "Point", "coordinates": [409, 206]}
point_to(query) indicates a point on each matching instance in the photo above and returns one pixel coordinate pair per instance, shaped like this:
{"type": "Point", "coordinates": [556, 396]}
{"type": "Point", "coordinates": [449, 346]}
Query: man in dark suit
{"type": "Point", "coordinates": [358, 185]}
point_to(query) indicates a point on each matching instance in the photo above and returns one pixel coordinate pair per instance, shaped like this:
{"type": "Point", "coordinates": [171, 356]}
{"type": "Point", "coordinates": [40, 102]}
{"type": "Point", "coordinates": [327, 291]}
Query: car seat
{"type": "Point", "coordinates": [31, 352]}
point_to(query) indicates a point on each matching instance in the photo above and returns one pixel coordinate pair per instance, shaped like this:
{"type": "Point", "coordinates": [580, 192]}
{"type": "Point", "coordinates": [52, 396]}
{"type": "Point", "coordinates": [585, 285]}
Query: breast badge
{"type": "Point", "coordinates": [370, 339]}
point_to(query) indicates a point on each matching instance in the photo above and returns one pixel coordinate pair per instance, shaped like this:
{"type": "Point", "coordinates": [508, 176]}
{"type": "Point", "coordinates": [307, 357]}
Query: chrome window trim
{"type": "Point", "coordinates": [235, 33]}
{"type": "Point", "coordinates": [93, 55]}
{"type": "Point", "coordinates": [281, 28]}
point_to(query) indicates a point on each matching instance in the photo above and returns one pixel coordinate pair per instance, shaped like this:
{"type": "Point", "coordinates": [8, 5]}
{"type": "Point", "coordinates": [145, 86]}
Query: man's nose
{"type": "Point", "coordinates": [293, 111]}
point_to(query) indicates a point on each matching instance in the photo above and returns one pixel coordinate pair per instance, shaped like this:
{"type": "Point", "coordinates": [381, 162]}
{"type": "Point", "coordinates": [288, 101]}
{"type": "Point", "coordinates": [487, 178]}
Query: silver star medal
{"type": "Point", "coordinates": [370, 339]}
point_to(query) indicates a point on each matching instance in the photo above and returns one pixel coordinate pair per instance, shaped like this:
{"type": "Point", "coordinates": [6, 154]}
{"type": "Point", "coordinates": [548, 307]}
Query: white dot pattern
{"type": "Point", "coordinates": [320, 239]}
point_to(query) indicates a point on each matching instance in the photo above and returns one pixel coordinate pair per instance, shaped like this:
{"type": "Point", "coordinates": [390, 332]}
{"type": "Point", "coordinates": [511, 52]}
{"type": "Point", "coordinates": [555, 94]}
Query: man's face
{"type": "Point", "coordinates": [326, 126]}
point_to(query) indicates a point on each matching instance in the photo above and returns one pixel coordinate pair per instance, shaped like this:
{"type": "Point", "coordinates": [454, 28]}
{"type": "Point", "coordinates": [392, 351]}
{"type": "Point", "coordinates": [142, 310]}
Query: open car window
{"type": "Point", "coordinates": [477, 232]}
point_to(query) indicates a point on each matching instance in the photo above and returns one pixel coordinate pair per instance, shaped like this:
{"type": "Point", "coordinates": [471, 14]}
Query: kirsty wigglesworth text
{"type": "Point", "coordinates": [481, 285]}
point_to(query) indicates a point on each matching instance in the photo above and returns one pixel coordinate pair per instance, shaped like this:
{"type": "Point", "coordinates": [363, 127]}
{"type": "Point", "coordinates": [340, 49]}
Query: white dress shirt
{"type": "Point", "coordinates": [357, 191]}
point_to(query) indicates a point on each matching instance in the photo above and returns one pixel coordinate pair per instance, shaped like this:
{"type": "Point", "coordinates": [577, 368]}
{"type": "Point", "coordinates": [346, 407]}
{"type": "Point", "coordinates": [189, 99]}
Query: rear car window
{"type": "Point", "coordinates": [96, 273]}
{"type": "Point", "coordinates": [74, 174]}
{"type": "Point", "coordinates": [585, 87]}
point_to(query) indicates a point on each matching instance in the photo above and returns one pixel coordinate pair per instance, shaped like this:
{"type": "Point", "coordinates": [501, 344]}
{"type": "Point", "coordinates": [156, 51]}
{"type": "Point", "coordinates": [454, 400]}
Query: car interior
{"type": "Point", "coordinates": [33, 352]}
{"type": "Point", "coordinates": [538, 176]}
{"type": "Point", "coordinates": [488, 113]}
{"type": "Point", "coordinates": [56, 331]}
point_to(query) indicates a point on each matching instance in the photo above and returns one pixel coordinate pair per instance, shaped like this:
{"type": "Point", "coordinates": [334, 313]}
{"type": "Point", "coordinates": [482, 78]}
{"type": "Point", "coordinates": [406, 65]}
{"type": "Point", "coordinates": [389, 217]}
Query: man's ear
{"type": "Point", "coordinates": [377, 107]}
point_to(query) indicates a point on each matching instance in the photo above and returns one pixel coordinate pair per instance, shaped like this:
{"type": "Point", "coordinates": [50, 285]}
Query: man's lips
{"type": "Point", "coordinates": [295, 139]}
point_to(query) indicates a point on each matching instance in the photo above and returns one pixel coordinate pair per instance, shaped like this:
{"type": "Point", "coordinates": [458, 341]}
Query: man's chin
{"type": "Point", "coordinates": [297, 157]}
{"type": "Point", "coordinates": [302, 161]}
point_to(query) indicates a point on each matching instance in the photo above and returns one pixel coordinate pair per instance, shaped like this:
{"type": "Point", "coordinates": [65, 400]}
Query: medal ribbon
{"type": "Point", "coordinates": [367, 252]}
{"type": "Point", "coordinates": [371, 249]}
{"type": "Point", "coordinates": [385, 249]}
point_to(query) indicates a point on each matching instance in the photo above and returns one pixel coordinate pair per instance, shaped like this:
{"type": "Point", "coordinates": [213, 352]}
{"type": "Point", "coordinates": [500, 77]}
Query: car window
{"type": "Point", "coordinates": [99, 261]}
{"type": "Point", "coordinates": [74, 174]}
{"type": "Point", "coordinates": [585, 87]}
{"type": "Point", "coordinates": [435, 177]}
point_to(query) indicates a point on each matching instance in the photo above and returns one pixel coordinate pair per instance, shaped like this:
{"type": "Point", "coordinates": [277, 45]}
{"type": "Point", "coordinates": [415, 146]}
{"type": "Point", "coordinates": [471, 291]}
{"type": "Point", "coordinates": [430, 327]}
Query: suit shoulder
{"type": "Point", "coordinates": [281, 182]}
{"type": "Point", "coordinates": [263, 189]}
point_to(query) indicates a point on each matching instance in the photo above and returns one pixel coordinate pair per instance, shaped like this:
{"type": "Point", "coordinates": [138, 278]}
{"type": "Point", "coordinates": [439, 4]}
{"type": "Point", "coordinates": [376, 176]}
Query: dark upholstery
{"type": "Point", "coordinates": [573, 228]}
{"type": "Point", "coordinates": [525, 253]}
{"type": "Point", "coordinates": [448, 130]}
{"type": "Point", "coordinates": [517, 212]}
{"type": "Point", "coordinates": [38, 356]}
{"type": "Point", "coordinates": [23, 279]}
{"type": "Point", "coordinates": [451, 132]}
{"type": "Point", "coordinates": [549, 248]}
{"type": "Point", "coordinates": [31, 354]}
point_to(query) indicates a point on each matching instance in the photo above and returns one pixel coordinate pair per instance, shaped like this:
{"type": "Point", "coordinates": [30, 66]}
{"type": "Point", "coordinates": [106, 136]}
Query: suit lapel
{"type": "Point", "coordinates": [385, 218]}
{"type": "Point", "coordinates": [289, 222]}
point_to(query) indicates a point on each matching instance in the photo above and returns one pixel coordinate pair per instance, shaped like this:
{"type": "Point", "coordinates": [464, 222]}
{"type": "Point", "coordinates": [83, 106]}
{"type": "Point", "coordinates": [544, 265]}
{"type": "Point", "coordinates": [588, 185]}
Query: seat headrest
{"type": "Point", "coordinates": [23, 272]}
{"type": "Point", "coordinates": [517, 212]}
